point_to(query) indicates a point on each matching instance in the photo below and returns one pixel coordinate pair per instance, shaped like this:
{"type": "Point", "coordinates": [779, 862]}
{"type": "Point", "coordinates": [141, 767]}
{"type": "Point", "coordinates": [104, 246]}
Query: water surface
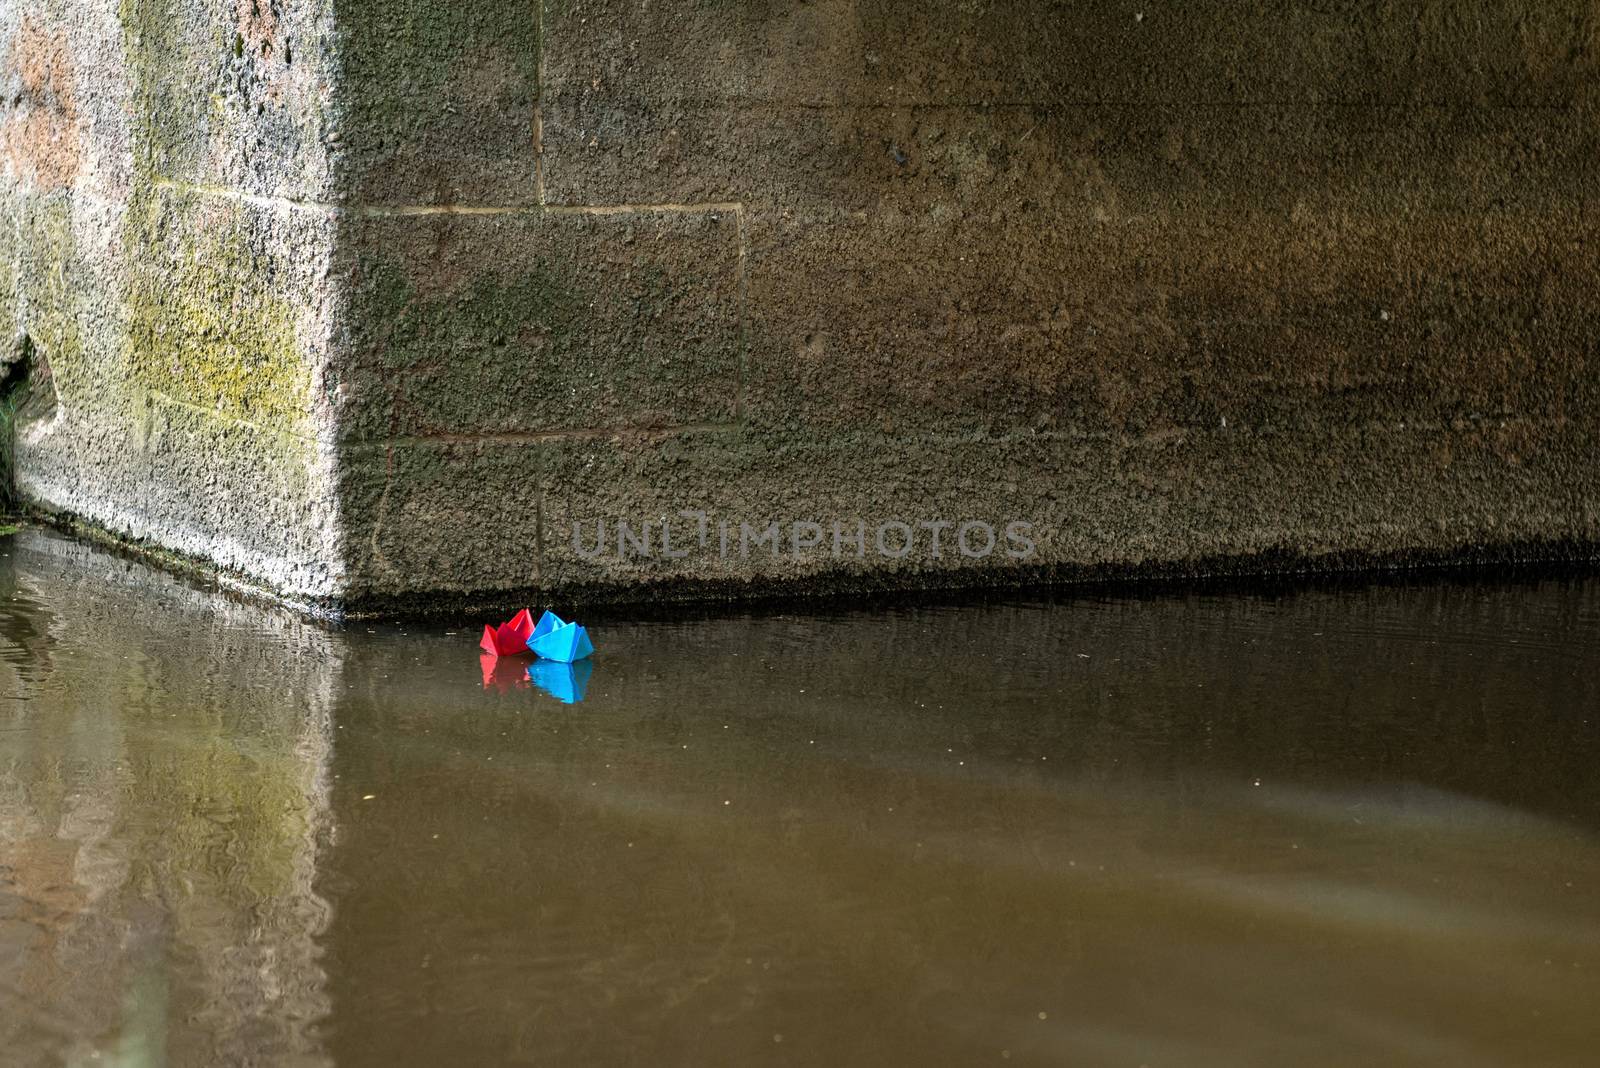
{"type": "Point", "coordinates": [1354, 825]}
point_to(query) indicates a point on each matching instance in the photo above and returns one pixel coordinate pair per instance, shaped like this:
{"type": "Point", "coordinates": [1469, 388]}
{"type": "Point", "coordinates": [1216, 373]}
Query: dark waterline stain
{"type": "Point", "coordinates": [1298, 824]}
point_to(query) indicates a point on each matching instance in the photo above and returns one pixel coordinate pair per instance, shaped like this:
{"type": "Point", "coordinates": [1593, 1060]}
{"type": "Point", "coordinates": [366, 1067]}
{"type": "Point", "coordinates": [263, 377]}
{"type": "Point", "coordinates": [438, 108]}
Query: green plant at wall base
{"type": "Point", "coordinates": [13, 392]}
{"type": "Point", "coordinates": [8, 494]}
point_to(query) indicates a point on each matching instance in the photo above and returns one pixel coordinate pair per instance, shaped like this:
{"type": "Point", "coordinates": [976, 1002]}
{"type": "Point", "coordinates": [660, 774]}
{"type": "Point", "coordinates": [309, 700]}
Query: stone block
{"type": "Point", "coordinates": [369, 304]}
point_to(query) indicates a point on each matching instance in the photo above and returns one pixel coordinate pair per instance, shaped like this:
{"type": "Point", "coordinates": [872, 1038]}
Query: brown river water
{"type": "Point", "coordinates": [1332, 824]}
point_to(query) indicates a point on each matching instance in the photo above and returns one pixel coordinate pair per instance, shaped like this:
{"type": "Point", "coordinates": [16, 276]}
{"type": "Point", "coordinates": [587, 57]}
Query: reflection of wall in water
{"type": "Point", "coordinates": [163, 794]}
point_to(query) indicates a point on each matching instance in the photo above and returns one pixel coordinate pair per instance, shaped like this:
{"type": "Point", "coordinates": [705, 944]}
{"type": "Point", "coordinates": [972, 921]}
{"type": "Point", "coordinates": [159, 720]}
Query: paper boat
{"type": "Point", "coordinates": [565, 682]}
{"type": "Point", "coordinates": [555, 639]}
{"type": "Point", "coordinates": [510, 638]}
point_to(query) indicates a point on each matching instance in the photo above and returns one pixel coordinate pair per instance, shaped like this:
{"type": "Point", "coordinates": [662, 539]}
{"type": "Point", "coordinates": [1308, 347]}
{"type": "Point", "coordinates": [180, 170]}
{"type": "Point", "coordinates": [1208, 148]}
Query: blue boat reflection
{"type": "Point", "coordinates": [565, 682]}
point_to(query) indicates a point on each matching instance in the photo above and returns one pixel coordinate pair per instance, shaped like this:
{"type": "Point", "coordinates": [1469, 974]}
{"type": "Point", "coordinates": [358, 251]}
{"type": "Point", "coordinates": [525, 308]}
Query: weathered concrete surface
{"type": "Point", "coordinates": [178, 313]}
{"type": "Point", "coordinates": [378, 298]}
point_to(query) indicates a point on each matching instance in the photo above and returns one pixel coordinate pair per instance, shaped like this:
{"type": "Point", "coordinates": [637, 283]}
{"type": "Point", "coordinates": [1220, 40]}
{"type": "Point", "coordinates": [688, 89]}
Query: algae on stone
{"type": "Point", "coordinates": [208, 324]}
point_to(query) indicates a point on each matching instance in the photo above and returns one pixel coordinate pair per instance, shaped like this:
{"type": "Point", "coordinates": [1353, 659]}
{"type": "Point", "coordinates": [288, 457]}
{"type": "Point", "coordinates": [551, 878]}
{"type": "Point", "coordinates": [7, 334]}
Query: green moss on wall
{"type": "Point", "coordinates": [206, 324]}
{"type": "Point", "coordinates": [411, 50]}
{"type": "Point", "coordinates": [497, 351]}
{"type": "Point", "coordinates": [494, 312]}
{"type": "Point", "coordinates": [441, 98]}
{"type": "Point", "coordinates": [11, 377]}
{"type": "Point", "coordinates": [209, 319]}
{"type": "Point", "coordinates": [168, 112]}
{"type": "Point", "coordinates": [51, 286]}
{"type": "Point", "coordinates": [8, 272]}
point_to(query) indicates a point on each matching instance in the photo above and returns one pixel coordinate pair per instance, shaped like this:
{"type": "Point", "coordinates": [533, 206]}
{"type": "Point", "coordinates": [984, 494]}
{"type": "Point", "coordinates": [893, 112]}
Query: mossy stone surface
{"type": "Point", "coordinates": [372, 299]}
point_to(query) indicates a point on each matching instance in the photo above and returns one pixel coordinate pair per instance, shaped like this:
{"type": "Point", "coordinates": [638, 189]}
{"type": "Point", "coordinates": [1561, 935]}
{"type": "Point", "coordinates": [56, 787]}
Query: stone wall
{"type": "Point", "coordinates": [177, 314]}
{"type": "Point", "coordinates": [365, 299]}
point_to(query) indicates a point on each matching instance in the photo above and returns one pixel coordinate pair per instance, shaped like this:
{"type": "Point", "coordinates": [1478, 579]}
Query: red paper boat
{"type": "Point", "coordinates": [508, 639]}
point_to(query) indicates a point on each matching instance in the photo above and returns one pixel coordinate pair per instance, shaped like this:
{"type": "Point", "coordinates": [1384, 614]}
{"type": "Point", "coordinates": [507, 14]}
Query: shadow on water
{"type": "Point", "coordinates": [1320, 827]}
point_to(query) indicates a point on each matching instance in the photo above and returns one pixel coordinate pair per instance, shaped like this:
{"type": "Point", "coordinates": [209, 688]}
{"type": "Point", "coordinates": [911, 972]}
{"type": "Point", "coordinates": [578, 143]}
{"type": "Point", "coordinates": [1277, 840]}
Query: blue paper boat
{"type": "Point", "coordinates": [547, 623]}
{"type": "Point", "coordinates": [565, 682]}
{"type": "Point", "coordinates": [555, 639]}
